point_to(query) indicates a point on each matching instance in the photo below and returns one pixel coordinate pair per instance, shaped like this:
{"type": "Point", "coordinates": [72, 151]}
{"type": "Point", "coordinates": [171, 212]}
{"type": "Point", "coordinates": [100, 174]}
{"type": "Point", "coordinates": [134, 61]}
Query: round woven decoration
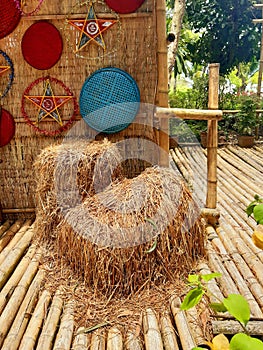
{"type": "Point", "coordinates": [7, 127]}
{"type": "Point", "coordinates": [109, 100]}
{"type": "Point", "coordinates": [9, 17]}
{"type": "Point", "coordinates": [30, 13]}
{"type": "Point", "coordinates": [6, 69]}
{"type": "Point", "coordinates": [42, 45]}
{"type": "Point", "coordinates": [54, 106]}
{"type": "Point", "coordinates": [124, 6]}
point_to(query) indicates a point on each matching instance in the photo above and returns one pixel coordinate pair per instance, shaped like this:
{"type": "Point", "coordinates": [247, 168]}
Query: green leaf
{"type": "Point", "coordinates": [152, 248]}
{"type": "Point", "coordinates": [258, 212]}
{"type": "Point", "coordinates": [218, 307]}
{"type": "Point", "coordinates": [192, 298]}
{"type": "Point", "coordinates": [242, 341]}
{"type": "Point", "coordinates": [198, 348]}
{"type": "Point", "coordinates": [193, 278]}
{"type": "Point", "coordinates": [152, 223]}
{"type": "Point", "coordinates": [250, 208]}
{"type": "Point", "coordinates": [238, 307]}
{"type": "Point", "coordinates": [210, 276]}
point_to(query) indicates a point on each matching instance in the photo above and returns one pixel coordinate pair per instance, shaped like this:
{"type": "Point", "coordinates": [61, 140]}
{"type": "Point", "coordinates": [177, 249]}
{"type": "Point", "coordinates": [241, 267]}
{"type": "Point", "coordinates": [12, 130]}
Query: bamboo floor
{"type": "Point", "coordinates": [33, 318]}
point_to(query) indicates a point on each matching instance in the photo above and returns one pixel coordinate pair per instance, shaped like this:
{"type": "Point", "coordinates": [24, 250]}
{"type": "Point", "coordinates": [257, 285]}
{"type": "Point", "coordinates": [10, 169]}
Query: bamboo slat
{"type": "Point", "coordinates": [168, 333]}
{"type": "Point", "coordinates": [10, 285]}
{"type": "Point", "coordinates": [30, 336]}
{"type": "Point", "coordinates": [4, 227]}
{"type": "Point", "coordinates": [114, 339]}
{"type": "Point", "coordinates": [65, 332]}
{"type": "Point", "coordinates": [254, 328]}
{"type": "Point", "coordinates": [186, 337]}
{"type": "Point", "coordinates": [246, 157]}
{"type": "Point", "coordinates": [152, 334]}
{"type": "Point", "coordinates": [49, 330]}
{"type": "Point", "coordinates": [81, 341]}
{"type": "Point", "coordinates": [98, 340]}
{"type": "Point", "coordinates": [19, 324]}
{"type": "Point", "coordinates": [132, 342]}
{"type": "Point", "coordinates": [196, 326]}
{"type": "Point", "coordinates": [14, 256]}
{"type": "Point", "coordinates": [10, 311]}
{"type": "Point", "coordinates": [10, 233]}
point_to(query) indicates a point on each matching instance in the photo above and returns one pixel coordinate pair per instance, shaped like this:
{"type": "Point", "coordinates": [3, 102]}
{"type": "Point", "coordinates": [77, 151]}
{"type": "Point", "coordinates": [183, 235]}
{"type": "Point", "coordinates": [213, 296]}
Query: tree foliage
{"type": "Point", "coordinates": [227, 33]}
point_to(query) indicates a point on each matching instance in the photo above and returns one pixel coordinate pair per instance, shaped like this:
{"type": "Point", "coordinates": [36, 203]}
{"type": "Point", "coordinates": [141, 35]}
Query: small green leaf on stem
{"type": "Point", "coordinates": [192, 298]}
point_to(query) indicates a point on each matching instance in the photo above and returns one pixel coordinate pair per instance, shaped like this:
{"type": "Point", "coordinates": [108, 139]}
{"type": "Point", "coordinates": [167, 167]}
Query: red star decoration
{"type": "Point", "coordinates": [91, 29]}
{"type": "Point", "coordinates": [4, 69]}
{"type": "Point", "coordinates": [48, 104]}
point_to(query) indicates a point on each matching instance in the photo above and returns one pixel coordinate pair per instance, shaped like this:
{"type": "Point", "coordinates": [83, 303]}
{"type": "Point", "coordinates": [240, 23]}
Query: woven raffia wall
{"type": "Point", "coordinates": [131, 45]}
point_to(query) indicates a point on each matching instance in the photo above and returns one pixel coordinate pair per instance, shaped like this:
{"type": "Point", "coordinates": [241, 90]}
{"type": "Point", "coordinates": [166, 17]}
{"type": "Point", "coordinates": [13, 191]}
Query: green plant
{"type": "Point", "coordinates": [235, 304]}
{"type": "Point", "coordinates": [255, 209]}
{"type": "Point", "coordinates": [246, 118]}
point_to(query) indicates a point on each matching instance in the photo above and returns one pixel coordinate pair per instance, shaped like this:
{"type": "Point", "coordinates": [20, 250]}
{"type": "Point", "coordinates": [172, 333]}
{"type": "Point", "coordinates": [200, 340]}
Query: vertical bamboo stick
{"type": "Point", "coordinates": [114, 340]}
{"type": "Point", "coordinates": [162, 86]}
{"type": "Point", "coordinates": [132, 342]}
{"type": "Point", "coordinates": [31, 334]}
{"type": "Point", "coordinates": [152, 334]}
{"type": "Point", "coordinates": [212, 138]}
{"type": "Point", "coordinates": [98, 340]}
{"type": "Point", "coordinates": [81, 340]}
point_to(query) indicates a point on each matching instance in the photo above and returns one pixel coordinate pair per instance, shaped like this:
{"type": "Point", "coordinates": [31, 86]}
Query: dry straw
{"type": "Point", "coordinates": [66, 175]}
{"type": "Point", "coordinates": [136, 232]}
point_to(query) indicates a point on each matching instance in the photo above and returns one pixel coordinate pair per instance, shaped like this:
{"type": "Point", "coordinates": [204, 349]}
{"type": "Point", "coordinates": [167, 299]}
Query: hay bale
{"type": "Point", "coordinates": [66, 174]}
{"type": "Point", "coordinates": [137, 231]}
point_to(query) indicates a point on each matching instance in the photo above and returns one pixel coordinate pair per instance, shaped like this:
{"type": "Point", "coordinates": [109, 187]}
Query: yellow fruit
{"type": "Point", "coordinates": [219, 342]}
{"type": "Point", "coordinates": [257, 236]}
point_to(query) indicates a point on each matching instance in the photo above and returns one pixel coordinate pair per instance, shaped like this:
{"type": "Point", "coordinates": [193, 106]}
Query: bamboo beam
{"type": "Point", "coordinates": [190, 114]}
{"type": "Point", "coordinates": [19, 324]}
{"type": "Point", "coordinates": [152, 334]}
{"type": "Point", "coordinates": [65, 332]}
{"type": "Point", "coordinates": [254, 328]}
{"type": "Point", "coordinates": [18, 210]}
{"type": "Point", "coordinates": [162, 80]}
{"type": "Point", "coordinates": [212, 138]}
{"type": "Point", "coordinates": [49, 330]}
{"type": "Point", "coordinates": [30, 336]}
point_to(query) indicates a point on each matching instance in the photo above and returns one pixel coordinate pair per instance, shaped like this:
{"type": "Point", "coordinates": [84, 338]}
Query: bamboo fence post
{"type": "Point", "coordinates": [49, 330]}
{"type": "Point", "coordinates": [162, 79]}
{"type": "Point", "coordinates": [212, 138]}
{"type": "Point", "coordinates": [18, 295]}
{"type": "Point", "coordinates": [19, 324]}
{"type": "Point", "coordinates": [152, 334]}
{"type": "Point", "coordinates": [37, 319]}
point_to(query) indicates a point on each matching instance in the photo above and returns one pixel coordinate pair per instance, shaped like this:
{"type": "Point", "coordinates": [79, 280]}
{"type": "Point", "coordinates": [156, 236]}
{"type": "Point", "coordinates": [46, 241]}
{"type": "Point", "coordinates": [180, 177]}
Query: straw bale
{"type": "Point", "coordinates": [68, 173]}
{"type": "Point", "coordinates": [137, 231]}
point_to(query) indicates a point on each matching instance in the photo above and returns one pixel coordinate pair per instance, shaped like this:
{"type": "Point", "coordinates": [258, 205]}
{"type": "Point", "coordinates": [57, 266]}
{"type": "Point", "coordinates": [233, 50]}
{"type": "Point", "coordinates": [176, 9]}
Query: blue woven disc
{"type": "Point", "coordinates": [109, 100]}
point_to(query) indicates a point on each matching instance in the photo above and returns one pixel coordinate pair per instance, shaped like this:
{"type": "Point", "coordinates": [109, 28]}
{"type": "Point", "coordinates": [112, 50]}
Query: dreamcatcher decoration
{"type": "Point", "coordinates": [6, 70]}
{"type": "Point", "coordinates": [48, 106]}
{"type": "Point", "coordinates": [42, 45]}
{"type": "Point", "coordinates": [90, 30]}
{"type": "Point", "coordinates": [21, 4]}
{"type": "Point", "coordinates": [9, 17]}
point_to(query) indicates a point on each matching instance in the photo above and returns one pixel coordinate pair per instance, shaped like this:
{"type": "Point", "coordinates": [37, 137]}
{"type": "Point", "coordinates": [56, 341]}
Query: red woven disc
{"type": "Point", "coordinates": [42, 45]}
{"type": "Point", "coordinates": [7, 127]}
{"type": "Point", "coordinates": [9, 17]}
{"type": "Point", "coordinates": [124, 6]}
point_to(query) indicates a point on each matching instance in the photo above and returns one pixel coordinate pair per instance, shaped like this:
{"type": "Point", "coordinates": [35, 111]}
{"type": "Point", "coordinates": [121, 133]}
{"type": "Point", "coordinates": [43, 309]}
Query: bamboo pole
{"type": "Point", "coordinates": [17, 297]}
{"type": "Point", "coordinates": [212, 139]}
{"type": "Point", "coordinates": [11, 233]}
{"type": "Point", "coordinates": [132, 342]}
{"type": "Point", "coordinates": [4, 227]}
{"type": "Point", "coordinates": [13, 281]}
{"type": "Point", "coordinates": [168, 333]}
{"type": "Point", "coordinates": [162, 80]}
{"type": "Point", "coordinates": [14, 256]}
{"type": "Point", "coordinates": [30, 336]}
{"type": "Point", "coordinates": [152, 334]}
{"type": "Point", "coordinates": [190, 114]}
{"type": "Point", "coordinates": [114, 339]}
{"type": "Point", "coordinates": [81, 341]}
{"type": "Point", "coordinates": [186, 337]}
{"type": "Point", "coordinates": [19, 324]}
{"type": "Point", "coordinates": [49, 330]}
{"type": "Point", "coordinates": [98, 340]}
{"type": "Point", "coordinates": [65, 332]}
{"type": "Point", "coordinates": [232, 327]}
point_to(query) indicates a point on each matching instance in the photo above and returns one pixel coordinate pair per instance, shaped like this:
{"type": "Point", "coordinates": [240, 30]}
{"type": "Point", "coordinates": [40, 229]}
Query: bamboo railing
{"type": "Point", "coordinates": [212, 115]}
